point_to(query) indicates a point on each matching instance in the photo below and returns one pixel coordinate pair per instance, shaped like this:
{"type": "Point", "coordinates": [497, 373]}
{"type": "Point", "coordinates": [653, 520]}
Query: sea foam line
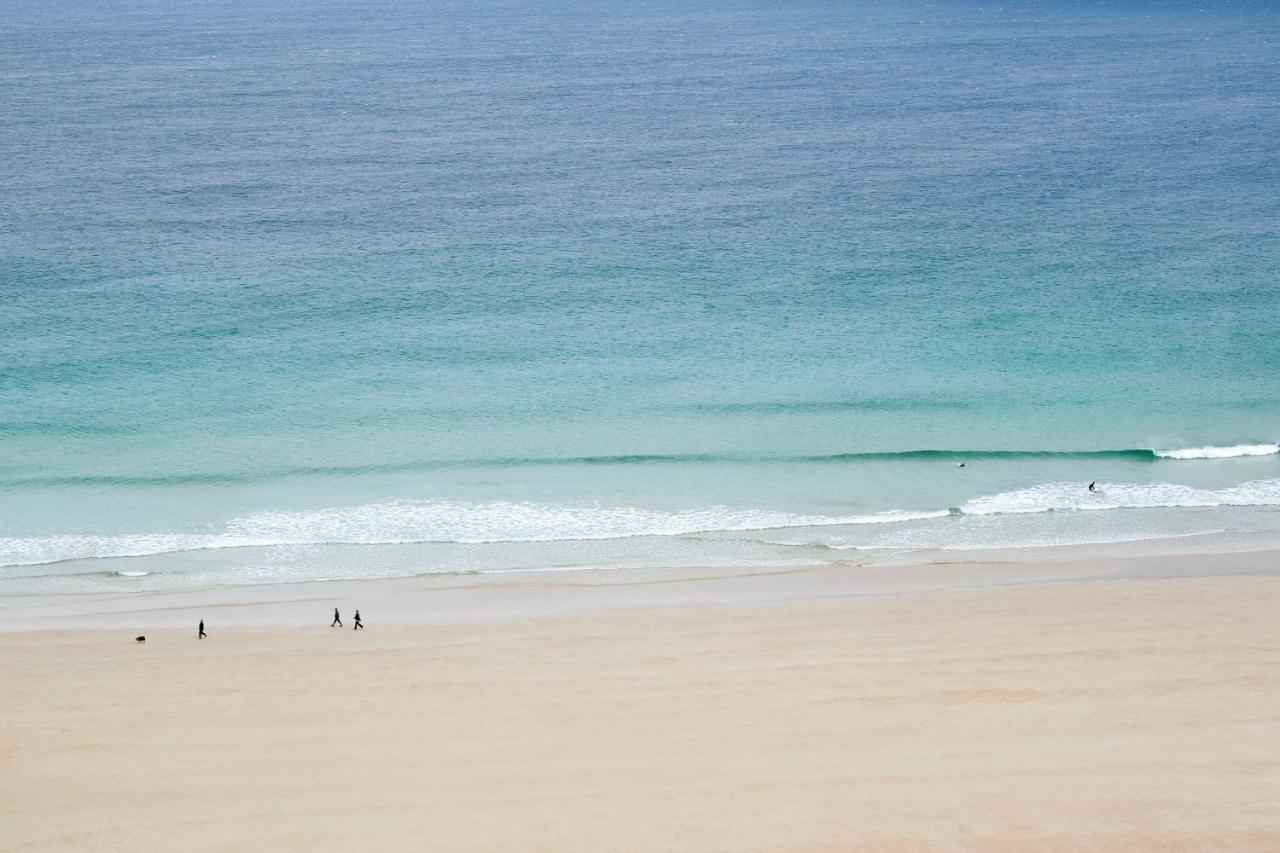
{"type": "Point", "coordinates": [1049, 497]}
{"type": "Point", "coordinates": [404, 523]}
{"type": "Point", "coordinates": [448, 522]}
{"type": "Point", "coordinates": [1220, 452]}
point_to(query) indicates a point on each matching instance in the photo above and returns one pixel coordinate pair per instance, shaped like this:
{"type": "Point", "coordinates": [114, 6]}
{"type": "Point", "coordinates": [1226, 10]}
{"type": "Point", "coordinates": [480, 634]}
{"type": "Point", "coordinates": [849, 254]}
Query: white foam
{"type": "Point", "coordinates": [395, 523]}
{"type": "Point", "coordinates": [1220, 452]}
{"type": "Point", "coordinates": [443, 521]}
{"type": "Point", "coordinates": [34, 550]}
{"type": "Point", "coordinates": [404, 522]}
{"type": "Point", "coordinates": [1076, 496]}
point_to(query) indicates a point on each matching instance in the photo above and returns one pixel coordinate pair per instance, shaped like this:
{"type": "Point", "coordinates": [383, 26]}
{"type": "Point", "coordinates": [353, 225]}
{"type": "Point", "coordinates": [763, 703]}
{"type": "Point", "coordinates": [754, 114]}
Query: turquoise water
{"type": "Point", "coordinates": [328, 291]}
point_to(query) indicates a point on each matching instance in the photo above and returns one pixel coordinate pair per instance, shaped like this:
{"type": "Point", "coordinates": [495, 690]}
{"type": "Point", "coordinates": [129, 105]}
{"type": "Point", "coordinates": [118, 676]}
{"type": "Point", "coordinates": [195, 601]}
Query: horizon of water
{"type": "Point", "coordinates": [313, 291]}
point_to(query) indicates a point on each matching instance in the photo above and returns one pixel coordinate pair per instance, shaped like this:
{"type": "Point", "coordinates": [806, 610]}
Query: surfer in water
{"type": "Point", "coordinates": [1093, 487]}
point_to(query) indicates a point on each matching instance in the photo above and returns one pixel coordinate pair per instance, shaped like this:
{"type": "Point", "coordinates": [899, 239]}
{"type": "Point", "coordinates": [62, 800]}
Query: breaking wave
{"type": "Point", "coordinates": [1074, 496]}
{"type": "Point", "coordinates": [396, 523]}
{"type": "Point", "coordinates": [1220, 452]}
{"type": "Point", "coordinates": [405, 522]}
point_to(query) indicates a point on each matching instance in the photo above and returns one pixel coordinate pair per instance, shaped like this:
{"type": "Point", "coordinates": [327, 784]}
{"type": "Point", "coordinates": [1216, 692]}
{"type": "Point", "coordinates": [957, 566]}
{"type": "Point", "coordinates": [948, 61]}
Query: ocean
{"type": "Point", "coordinates": [305, 291]}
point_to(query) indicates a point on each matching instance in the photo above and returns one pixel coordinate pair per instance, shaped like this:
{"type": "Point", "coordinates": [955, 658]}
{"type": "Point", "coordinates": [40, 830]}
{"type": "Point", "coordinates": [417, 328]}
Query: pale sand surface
{"type": "Point", "coordinates": [1121, 714]}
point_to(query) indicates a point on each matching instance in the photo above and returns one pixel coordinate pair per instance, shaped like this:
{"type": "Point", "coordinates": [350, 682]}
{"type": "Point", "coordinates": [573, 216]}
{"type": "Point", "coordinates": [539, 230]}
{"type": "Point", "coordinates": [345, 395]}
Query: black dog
{"type": "Point", "coordinates": [140, 639]}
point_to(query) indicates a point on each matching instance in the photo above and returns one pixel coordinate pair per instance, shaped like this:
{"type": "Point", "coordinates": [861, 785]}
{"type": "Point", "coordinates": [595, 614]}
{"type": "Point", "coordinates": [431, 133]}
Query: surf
{"type": "Point", "coordinates": [1232, 452]}
{"type": "Point", "coordinates": [1061, 496]}
{"type": "Point", "coordinates": [496, 522]}
{"type": "Point", "coordinates": [451, 522]}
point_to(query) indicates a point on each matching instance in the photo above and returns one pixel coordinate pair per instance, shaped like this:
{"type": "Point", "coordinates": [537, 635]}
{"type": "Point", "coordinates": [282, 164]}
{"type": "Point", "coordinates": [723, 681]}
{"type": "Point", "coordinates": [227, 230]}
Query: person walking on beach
{"type": "Point", "coordinates": [337, 620]}
{"type": "Point", "coordinates": [201, 634]}
{"type": "Point", "coordinates": [358, 624]}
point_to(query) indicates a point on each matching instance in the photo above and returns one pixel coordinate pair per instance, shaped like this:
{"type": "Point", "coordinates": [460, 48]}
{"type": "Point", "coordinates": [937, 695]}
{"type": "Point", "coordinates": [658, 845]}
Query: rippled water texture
{"type": "Point", "coordinates": [318, 290]}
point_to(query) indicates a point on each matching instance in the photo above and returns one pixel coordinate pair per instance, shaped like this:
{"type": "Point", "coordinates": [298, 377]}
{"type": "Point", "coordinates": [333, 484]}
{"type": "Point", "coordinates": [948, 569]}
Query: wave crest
{"type": "Point", "coordinates": [403, 523]}
{"type": "Point", "coordinates": [1220, 452]}
{"type": "Point", "coordinates": [448, 522]}
{"type": "Point", "coordinates": [1049, 497]}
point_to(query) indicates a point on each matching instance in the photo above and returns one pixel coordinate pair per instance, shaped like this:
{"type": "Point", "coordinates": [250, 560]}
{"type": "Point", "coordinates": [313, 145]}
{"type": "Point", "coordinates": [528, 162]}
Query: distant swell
{"type": "Point", "coordinates": [213, 478]}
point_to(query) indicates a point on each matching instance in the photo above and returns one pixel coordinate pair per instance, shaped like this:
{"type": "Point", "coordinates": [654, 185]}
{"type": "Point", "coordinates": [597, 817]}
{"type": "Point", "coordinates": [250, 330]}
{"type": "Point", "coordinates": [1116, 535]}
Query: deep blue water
{"type": "Point", "coordinates": [295, 290]}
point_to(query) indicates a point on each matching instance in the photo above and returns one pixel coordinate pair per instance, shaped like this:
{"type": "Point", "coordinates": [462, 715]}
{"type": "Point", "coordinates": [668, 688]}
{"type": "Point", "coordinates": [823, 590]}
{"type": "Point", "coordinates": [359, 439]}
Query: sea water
{"type": "Point", "coordinates": [321, 290]}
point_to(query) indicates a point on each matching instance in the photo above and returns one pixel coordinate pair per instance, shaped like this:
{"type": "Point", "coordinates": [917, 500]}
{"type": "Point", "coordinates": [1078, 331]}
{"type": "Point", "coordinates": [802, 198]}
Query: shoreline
{"type": "Point", "coordinates": [440, 598]}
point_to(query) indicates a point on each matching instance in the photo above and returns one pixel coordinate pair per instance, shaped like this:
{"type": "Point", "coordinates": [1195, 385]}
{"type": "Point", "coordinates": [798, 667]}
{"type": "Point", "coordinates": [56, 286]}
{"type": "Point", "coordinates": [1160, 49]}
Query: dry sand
{"type": "Point", "coordinates": [1115, 715]}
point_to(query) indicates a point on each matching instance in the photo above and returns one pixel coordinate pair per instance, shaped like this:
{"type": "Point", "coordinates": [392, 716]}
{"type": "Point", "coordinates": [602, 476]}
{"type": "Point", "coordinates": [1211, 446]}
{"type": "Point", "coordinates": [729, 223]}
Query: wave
{"type": "Point", "coordinates": [1050, 497]}
{"type": "Point", "coordinates": [213, 478]}
{"type": "Point", "coordinates": [404, 523]}
{"type": "Point", "coordinates": [1137, 454]}
{"type": "Point", "coordinates": [81, 575]}
{"type": "Point", "coordinates": [450, 522]}
{"type": "Point", "coordinates": [1220, 452]}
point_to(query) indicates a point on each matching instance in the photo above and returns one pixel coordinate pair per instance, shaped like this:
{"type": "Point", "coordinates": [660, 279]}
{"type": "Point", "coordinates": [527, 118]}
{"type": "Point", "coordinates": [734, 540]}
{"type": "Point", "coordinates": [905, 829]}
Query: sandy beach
{"type": "Point", "coordinates": [792, 427]}
{"type": "Point", "coordinates": [1137, 713]}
